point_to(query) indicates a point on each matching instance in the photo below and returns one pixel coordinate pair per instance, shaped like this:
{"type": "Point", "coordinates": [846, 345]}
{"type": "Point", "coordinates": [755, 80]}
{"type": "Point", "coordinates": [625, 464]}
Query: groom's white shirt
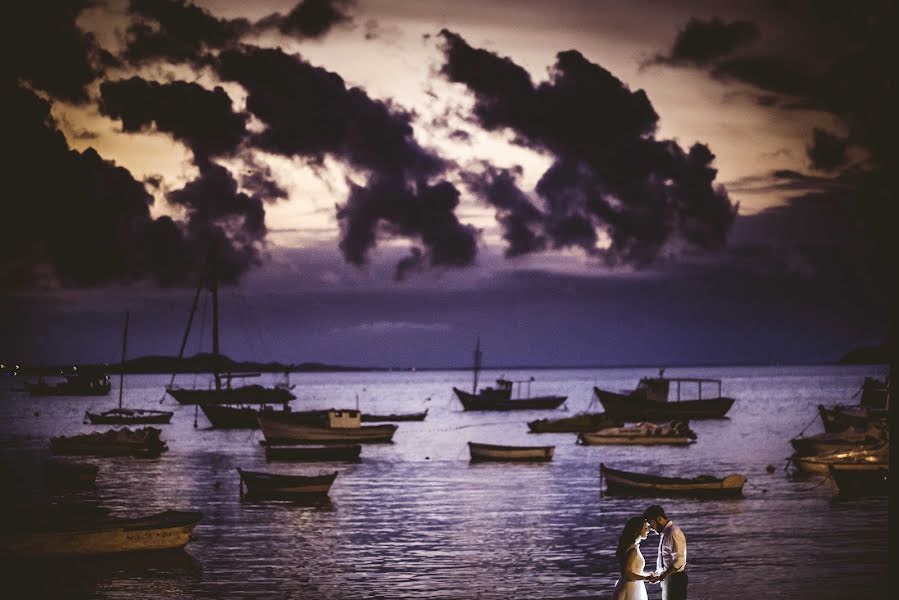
{"type": "Point", "coordinates": [672, 548]}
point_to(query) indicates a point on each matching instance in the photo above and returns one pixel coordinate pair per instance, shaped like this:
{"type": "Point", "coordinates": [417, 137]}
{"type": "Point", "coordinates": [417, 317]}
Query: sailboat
{"type": "Point", "coordinates": [500, 397]}
{"type": "Point", "coordinates": [122, 415]}
{"type": "Point", "coordinates": [227, 394]}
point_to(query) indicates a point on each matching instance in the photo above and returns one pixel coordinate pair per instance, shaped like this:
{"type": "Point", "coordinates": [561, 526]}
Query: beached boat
{"type": "Point", "coordinates": [275, 486]}
{"type": "Point", "coordinates": [394, 418]}
{"type": "Point", "coordinates": [501, 397]}
{"type": "Point", "coordinates": [861, 479]}
{"type": "Point", "coordinates": [820, 464]}
{"type": "Point", "coordinates": [823, 443]}
{"type": "Point", "coordinates": [337, 427]}
{"type": "Point", "coordinates": [227, 393]}
{"type": "Point", "coordinates": [492, 452]}
{"type": "Point", "coordinates": [144, 443]}
{"type": "Point", "coordinates": [678, 433]}
{"type": "Point", "coordinates": [651, 402]}
{"type": "Point", "coordinates": [83, 536]}
{"type": "Point", "coordinates": [74, 384]}
{"type": "Point", "coordinates": [336, 453]}
{"type": "Point", "coordinates": [628, 482]}
{"type": "Point", "coordinates": [64, 473]}
{"type": "Point", "coordinates": [127, 416]}
{"type": "Point", "coordinates": [575, 424]}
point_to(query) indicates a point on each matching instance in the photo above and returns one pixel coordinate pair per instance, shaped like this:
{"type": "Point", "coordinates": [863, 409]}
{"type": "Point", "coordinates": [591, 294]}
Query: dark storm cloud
{"type": "Point", "coordinates": [309, 18]}
{"type": "Point", "coordinates": [203, 119]}
{"type": "Point", "coordinates": [610, 172]}
{"type": "Point", "coordinates": [309, 112]}
{"type": "Point", "coordinates": [51, 52]}
{"type": "Point", "coordinates": [701, 42]}
{"type": "Point", "coordinates": [828, 151]}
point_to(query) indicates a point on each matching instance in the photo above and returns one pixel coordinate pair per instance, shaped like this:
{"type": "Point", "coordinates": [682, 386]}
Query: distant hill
{"type": "Point", "coordinates": [867, 355]}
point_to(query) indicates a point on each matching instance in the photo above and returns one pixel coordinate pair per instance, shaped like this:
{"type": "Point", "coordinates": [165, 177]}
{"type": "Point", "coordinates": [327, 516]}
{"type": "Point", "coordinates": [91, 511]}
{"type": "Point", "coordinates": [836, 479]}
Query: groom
{"type": "Point", "coordinates": [671, 563]}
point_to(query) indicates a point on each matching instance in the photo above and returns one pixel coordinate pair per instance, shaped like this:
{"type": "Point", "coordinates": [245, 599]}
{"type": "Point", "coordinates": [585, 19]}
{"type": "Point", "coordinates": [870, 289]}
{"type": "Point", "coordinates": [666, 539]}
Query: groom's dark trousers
{"type": "Point", "coordinates": [676, 587]}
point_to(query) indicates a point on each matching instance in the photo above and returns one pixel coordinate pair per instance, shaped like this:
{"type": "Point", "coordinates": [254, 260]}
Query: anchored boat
{"type": "Point", "coordinates": [651, 402]}
{"type": "Point", "coordinates": [275, 486]}
{"type": "Point", "coordinates": [626, 482]}
{"type": "Point", "coordinates": [335, 427]}
{"type": "Point", "coordinates": [678, 433]}
{"type": "Point", "coordinates": [492, 452]}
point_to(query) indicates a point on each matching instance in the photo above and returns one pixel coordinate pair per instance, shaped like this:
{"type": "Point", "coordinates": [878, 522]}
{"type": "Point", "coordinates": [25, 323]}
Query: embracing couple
{"type": "Point", "coordinates": [671, 563]}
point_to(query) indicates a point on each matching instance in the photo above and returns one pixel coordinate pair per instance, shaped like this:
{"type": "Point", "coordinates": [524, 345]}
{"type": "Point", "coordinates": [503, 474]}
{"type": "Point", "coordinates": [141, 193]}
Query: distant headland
{"type": "Point", "coordinates": [867, 355]}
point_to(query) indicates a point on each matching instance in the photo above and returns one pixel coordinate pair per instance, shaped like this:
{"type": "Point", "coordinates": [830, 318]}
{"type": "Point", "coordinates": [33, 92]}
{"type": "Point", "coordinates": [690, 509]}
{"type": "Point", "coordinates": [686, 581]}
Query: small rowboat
{"type": "Point", "coordinates": [644, 434]}
{"type": "Point", "coordinates": [76, 536]}
{"type": "Point", "coordinates": [823, 443]}
{"type": "Point", "coordinates": [574, 424]}
{"type": "Point", "coordinates": [625, 482]}
{"type": "Point", "coordinates": [275, 486]}
{"type": "Point", "coordinates": [491, 452]}
{"type": "Point", "coordinates": [861, 479]}
{"type": "Point", "coordinates": [819, 465]}
{"type": "Point", "coordinates": [393, 418]}
{"type": "Point", "coordinates": [349, 453]}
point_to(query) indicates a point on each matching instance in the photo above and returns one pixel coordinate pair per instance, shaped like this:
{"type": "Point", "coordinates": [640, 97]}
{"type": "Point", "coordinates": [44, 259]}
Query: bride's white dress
{"type": "Point", "coordinates": [632, 590]}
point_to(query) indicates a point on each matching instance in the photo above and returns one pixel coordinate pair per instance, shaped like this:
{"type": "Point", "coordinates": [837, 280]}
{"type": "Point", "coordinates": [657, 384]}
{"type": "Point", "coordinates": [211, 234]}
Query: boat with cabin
{"type": "Point", "coordinates": [651, 401]}
{"type": "Point", "coordinates": [501, 397]}
{"type": "Point", "coordinates": [492, 452]}
{"type": "Point", "coordinates": [284, 487]}
{"type": "Point", "coordinates": [707, 486]}
{"type": "Point", "coordinates": [331, 427]}
{"type": "Point", "coordinates": [677, 433]}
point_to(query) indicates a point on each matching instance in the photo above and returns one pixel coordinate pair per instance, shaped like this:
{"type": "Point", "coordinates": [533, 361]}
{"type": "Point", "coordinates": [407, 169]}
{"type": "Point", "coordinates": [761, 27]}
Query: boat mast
{"type": "Point", "coordinates": [477, 365]}
{"type": "Point", "coordinates": [214, 289]}
{"type": "Point", "coordinates": [122, 364]}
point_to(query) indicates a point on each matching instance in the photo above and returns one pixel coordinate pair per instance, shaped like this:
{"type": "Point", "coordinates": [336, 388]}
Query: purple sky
{"type": "Point", "coordinates": [577, 183]}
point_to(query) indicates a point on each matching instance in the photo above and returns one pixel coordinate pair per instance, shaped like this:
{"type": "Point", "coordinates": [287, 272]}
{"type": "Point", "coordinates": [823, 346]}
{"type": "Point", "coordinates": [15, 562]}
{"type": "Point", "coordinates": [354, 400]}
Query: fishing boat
{"type": "Point", "coordinates": [394, 418]}
{"type": "Point", "coordinates": [84, 536]}
{"type": "Point", "coordinates": [335, 453]}
{"type": "Point", "coordinates": [823, 443]}
{"type": "Point", "coordinates": [586, 421]}
{"type": "Point", "coordinates": [144, 443]}
{"type": "Point", "coordinates": [335, 427]}
{"type": "Point", "coordinates": [630, 483]}
{"type": "Point", "coordinates": [861, 479]}
{"type": "Point", "coordinates": [65, 474]}
{"type": "Point", "coordinates": [677, 433]}
{"type": "Point", "coordinates": [500, 397]}
{"type": "Point", "coordinates": [872, 410]}
{"type": "Point", "coordinates": [650, 400]}
{"type": "Point", "coordinates": [492, 452]}
{"type": "Point", "coordinates": [275, 486]}
{"type": "Point", "coordinates": [219, 393]}
{"type": "Point", "coordinates": [74, 384]}
{"type": "Point", "coordinates": [127, 416]}
{"type": "Point", "coordinates": [239, 416]}
{"type": "Point", "coordinates": [820, 464]}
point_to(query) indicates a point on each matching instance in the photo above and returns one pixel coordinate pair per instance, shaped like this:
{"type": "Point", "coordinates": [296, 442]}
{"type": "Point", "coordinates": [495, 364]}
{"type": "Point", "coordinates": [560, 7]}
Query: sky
{"type": "Point", "coordinates": [578, 182]}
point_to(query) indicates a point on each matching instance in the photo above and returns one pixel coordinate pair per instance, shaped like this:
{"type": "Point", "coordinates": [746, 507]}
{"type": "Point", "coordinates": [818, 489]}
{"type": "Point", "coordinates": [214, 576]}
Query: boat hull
{"type": "Point", "coordinates": [164, 531]}
{"type": "Point", "coordinates": [223, 416]}
{"type": "Point", "coordinates": [335, 453]}
{"type": "Point", "coordinates": [632, 408]}
{"type": "Point", "coordinates": [127, 416]}
{"type": "Point", "coordinates": [479, 402]}
{"type": "Point", "coordinates": [861, 479]}
{"type": "Point", "coordinates": [274, 486]}
{"type": "Point", "coordinates": [574, 424]}
{"type": "Point", "coordinates": [598, 439]}
{"type": "Point", "coordinates": [838, 419]}
{"type": "Point", "coordinates": [491, 452]}
{"type": "Point", "coordinates": [820, 465]}
{"type": "Point", "coordinates": [278, 432]}
{"type": "Point", "coordinates": [641, 484]}
{"type": "Point", "coordinates": [368, 418]}
{"type": "Point", "coordinates": [141, 443]}
{"type": "Point", "coordinates": [249, 394]}
{"type": "Point", "coordinates": [833, 442]}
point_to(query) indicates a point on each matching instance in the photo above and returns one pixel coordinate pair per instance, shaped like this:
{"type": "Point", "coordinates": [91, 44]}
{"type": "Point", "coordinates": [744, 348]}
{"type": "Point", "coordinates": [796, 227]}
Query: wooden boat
{"type": "Point", "coordinates": [394, 418]}
{"type": "Point", "coordinates": [336, 453]}
{"type": "Point", "coordinates": [823, 443]}
{"type": "Point", "coordinates": [238, 416]}
{"type": "Point", "coordinates": [338, 427]}
{"type": "Point", "coordinates": [500, 397]}
{"type": "Point", "coordinates": [271, 485]}
{"type": "Point", "coordinates": [74, 384]}
{"type": "Point", "coordinates": [627, 482]}
{"type": "Point", "coordinates": [78, 536]}
{"type": "Point", "coordinates": [650, 401]}
{"type": "Point", "coordinates": [144, 443]}
{"type": "Point", "coordinates": [838, 419]}
{"type": "Point", "coordinates": [492, 452]}
{"type": "Point", "coordinates": [574, 424]}
{"type": "Point", "coordinates": [678, 433]}
{"type": "Point", "coordinates": [63, 473]}
{"type": "Point", "coordinates": [819, 465]}
{"type": "Point", "coordinates": [227, 393]}
{"type": "Point", "coordinates": [861, 479]}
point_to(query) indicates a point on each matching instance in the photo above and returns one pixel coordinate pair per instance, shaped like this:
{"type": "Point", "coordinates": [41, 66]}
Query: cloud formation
{"type": "Point", "coordinates": [701, 42]}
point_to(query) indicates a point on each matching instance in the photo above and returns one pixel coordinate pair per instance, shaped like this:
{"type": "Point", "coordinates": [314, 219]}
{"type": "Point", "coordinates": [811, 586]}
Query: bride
{"type": "Point", "coordinates": [631, 562]}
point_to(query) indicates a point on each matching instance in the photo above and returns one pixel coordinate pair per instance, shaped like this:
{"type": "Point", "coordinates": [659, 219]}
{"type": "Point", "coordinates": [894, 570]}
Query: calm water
{"type": "Point", "coordinates": [415, 519]}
